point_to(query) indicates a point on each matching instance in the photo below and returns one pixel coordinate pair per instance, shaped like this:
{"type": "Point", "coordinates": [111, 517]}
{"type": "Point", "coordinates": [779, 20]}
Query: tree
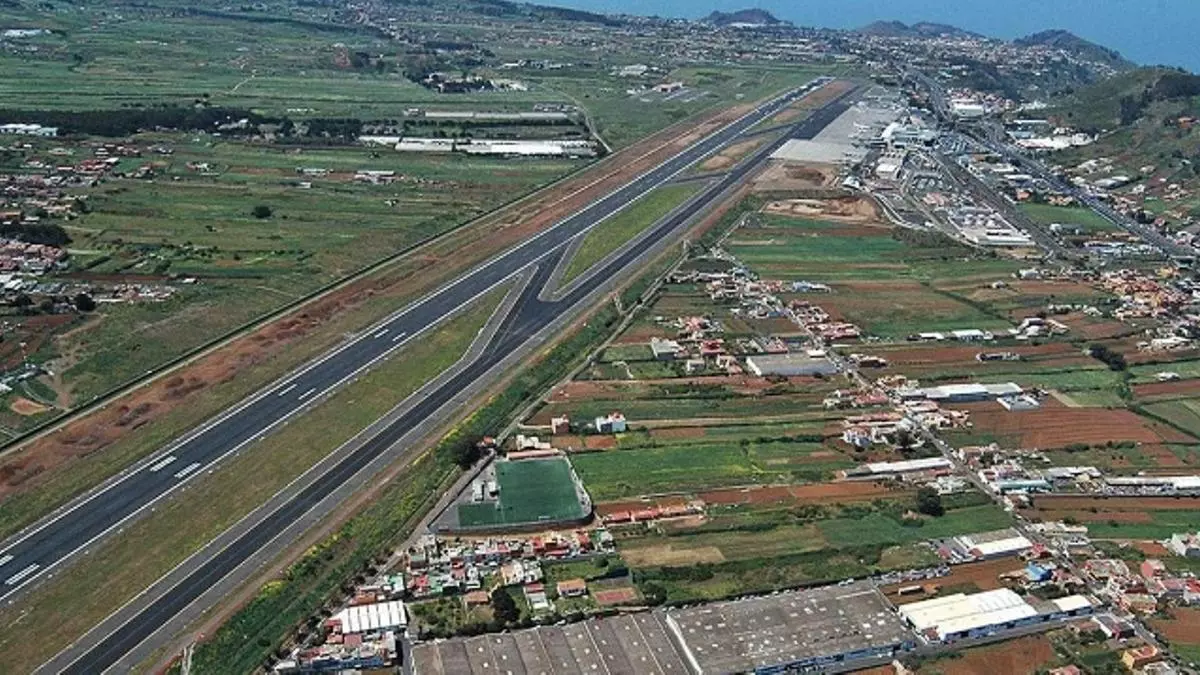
{"type": "Point", "coordinates": [84, 303]}
{"type": "Point", "coordinates": [654, 593]}
{"type": "Point", "coordinates": [504, 608]}
{"type": "Point", "coordinates": [261, 211]}
{"type": "Point", "coordinates": [929, 502]}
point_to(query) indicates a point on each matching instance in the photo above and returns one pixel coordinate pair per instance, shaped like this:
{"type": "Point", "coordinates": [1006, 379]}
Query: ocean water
{"type": "Point", "coordinates": [1145, 31]}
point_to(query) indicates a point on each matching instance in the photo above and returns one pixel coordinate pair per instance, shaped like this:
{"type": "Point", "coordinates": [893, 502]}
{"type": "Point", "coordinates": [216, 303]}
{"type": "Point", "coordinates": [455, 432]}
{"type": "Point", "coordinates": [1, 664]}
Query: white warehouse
{"type": "Point", "coordinates": [961, 616]}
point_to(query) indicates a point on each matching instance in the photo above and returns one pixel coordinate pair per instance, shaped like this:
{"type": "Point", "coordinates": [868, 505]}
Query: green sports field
{"type": "Point", "coordinates": [531, 491]}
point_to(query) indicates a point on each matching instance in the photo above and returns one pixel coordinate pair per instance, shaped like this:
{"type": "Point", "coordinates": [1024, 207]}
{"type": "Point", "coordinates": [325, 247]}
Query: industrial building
{"type": "Point", "coordinates": [791, 365]}
{"type": "Point", "coordinates": [959, 616]}
{"type": "Point", "coordinates": [790, 632]}
{"type": "Point", "coordinates": [994, 544]}
{"type": "Point", "coordinates": [881, 469]}
{"type": "Point", "coordinates": [966, 393]}
{"type": "Point", "coordinates": [636, 643]}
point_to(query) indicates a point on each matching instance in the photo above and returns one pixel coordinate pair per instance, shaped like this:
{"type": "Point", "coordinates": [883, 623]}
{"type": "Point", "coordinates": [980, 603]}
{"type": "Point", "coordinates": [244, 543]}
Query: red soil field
{"type": "Point", "coordinates": [607, 508]}
{"type": "Point", "coordinates": [1056, 426]}
{"type": "Point", "coordinates": [1152, 549]}
{"type": "Point", "coordinates": [1136, 504]}
{"type": "Point", "coordinates": [678, 433]}
{"type": "Point", "coordinates": [984, 574]}
{"type": "Point", "coordinates": [1177, 389]}
{"type": "Point", "coordinates": [1023, 655]}
{"type": "Point", "coordinates": [935, 354]}
{"type": "Point", "coordinates": [848, 491]}
{"type": "Point", "coordinates": [615, 596]}
{"type": "Point", "coordinates": [1183, 627]}
{"type": "Point", "coordinates": [1098, 517]}
{"type": "Point", "coordinates": [1162, 456]}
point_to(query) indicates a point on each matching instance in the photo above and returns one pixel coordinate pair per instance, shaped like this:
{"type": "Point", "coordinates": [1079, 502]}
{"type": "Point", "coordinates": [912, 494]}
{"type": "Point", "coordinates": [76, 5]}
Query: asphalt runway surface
{"type": "Point", "coordinates": [536, 308]}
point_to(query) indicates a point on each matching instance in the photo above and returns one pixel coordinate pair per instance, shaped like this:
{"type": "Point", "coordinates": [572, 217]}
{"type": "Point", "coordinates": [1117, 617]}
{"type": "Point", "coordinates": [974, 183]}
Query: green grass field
{"type": "Point", "coordinates": [531, 491]}
{"type": "Point", "coordinates": [1180, 413]}
{"type": "Point", "coordinates": [703, 465]}
{"type": "Point", "coordinates": [613, 233]}
{"type": "Point", "coordinates": [1085, 218]}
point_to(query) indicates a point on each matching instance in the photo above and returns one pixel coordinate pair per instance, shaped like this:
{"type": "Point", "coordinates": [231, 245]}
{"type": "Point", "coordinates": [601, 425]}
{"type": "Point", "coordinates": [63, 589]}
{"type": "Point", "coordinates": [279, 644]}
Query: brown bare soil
{"type": "Point", "coordinates": [1022, 655]}
{"type": "Point", "coordinates": [669, 556]}
{"type": "Point", "coordinates": [608, 508]}
{"type": "Point", "coordinates": [820, 493]}
{"type": "Point", "coordinates": [985, 575]}
{"type": "Point", "coordinates": [1183, 626]}
{"type": "Point", "coordinates": [599, 442]}
{"type": "Point", "coordinates": [1091, 328]}
{"type": "Point", "coordinates": [785, 176]}
{"type": "Point", "coordinates": [678, 433]}
{"type": "Point", "coordinates": [26, 407]}
{"type": "Point", "coordinates": [1099, 517]}
{"type": "Point", "coordinates": [814, 100]}
{"type": "Point", "coordinates": [850, 208]}
{"type": "Point", "coordinates": [1055, 425]}
{"type": "Point", "coordinates": [1116, 504]}
{"type": "Point", "coordinates": [942, 355]}
{"type": "Point", "coordinates": [731, 155]}
{"type": "Point", "coordinates": [1176, 389]}
{"type": "Point", "coordinates": [615, 596]}
{"type": "Point", "coordinates": [1162, 455]}
{"type": "Point", "coordinates": [1152, 549]}
{"type": "Point", "coordinates": [416, 274]}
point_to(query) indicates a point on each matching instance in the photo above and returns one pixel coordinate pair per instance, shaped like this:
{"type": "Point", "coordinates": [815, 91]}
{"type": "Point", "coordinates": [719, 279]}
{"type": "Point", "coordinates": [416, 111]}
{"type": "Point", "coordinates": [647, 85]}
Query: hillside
{"type": "Point", "coordinates": [1076, 46]}
{"type": "Point", "coordinates": [923, 29]}
{"type": "Point", "coordinates": [749, 17]}
{"type": "Point", "coordinates": [1128, 97]}
{"type": "Point", "coordinates": [1147, 119]}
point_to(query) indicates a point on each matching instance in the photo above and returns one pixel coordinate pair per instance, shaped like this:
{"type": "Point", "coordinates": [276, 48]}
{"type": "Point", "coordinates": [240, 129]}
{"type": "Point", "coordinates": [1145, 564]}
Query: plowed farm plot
{"type": "Point", "coordinates": [1022, 655]}
{"type": "Point", "coordinates": [1056, 426]}
{"type": "Point", "coordinates": [1183, 626]}
{"type": "Point", "coordinates": [819, 493]}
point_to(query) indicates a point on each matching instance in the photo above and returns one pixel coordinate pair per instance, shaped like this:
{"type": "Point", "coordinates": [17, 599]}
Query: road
{"type": "Point", "coordinates": [536, 308]}
{"type": "Point", "coordinates": [991, 135]}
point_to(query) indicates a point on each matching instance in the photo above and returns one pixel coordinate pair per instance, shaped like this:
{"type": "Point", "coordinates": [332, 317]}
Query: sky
{"type": "Point", "coordinates": [1146, 31]}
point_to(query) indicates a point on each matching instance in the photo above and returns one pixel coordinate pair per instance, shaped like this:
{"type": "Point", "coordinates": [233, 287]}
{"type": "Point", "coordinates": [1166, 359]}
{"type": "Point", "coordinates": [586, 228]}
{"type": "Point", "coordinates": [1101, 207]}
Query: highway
{"type": "Point", "coordinates": [992, 135]}
{"type": "Point", "coordinates": [537, 307]}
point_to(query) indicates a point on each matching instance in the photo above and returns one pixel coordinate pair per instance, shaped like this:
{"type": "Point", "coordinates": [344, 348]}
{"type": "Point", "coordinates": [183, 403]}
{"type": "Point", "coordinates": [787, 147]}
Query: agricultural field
{"type": "Point", "coordinates": [1057, 426]}
{"type": "Point", "coordinates": [744, 548]}
{"type": "Point", "coordinates": [1124, 518]}
{"type": "Point", "coordinates": [884, 280]}
{"type": "Point", "coordinates": [796, 454]}
{"type": "Point", "coordinates": [203, 227]}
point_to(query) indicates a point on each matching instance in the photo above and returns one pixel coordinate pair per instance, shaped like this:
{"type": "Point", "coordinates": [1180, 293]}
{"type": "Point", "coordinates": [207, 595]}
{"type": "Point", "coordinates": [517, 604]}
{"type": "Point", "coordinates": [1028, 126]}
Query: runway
{"type": "Point", "coordinates": [62, 537]}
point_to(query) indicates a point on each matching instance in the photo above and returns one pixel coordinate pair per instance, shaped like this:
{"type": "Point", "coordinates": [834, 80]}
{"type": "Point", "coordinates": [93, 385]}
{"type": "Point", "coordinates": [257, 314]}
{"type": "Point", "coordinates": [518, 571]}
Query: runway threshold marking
{"type": "Point", "coordinates": [187, 469]}
{"type": "Point", "coordinates": [16, 578]}
{"type": "Point", "coordinates": [162, 463]}
{"type": "Point", "coordinates": [5, 560]}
